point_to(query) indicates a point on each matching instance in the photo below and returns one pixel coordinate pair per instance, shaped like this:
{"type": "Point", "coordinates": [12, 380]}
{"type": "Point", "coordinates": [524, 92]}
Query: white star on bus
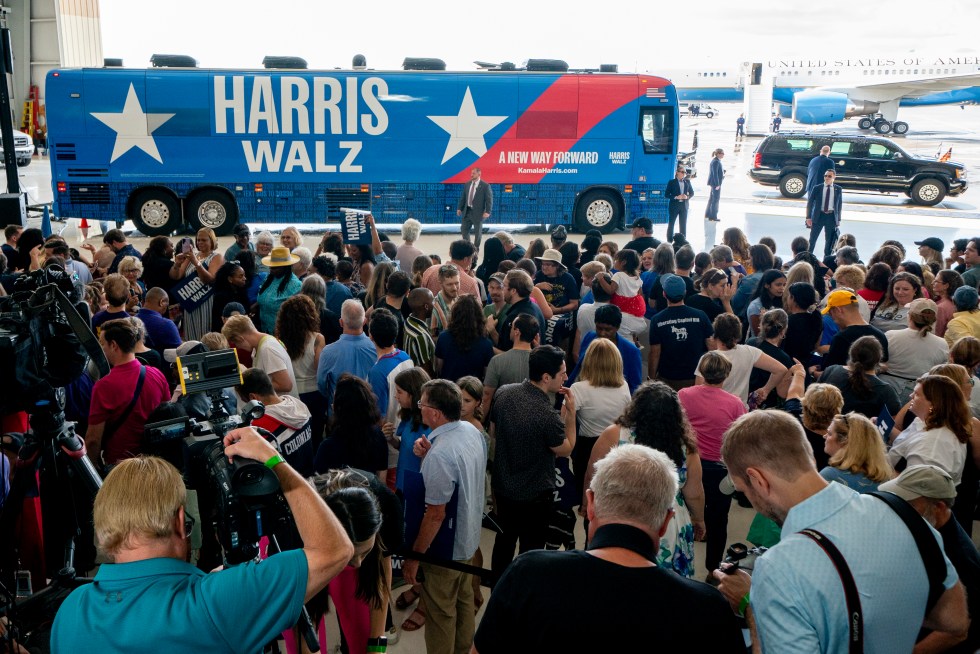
{"type": "Point", "coordinates": [466, 130]}
{"type": "Point", "coordinates": [133, 127]}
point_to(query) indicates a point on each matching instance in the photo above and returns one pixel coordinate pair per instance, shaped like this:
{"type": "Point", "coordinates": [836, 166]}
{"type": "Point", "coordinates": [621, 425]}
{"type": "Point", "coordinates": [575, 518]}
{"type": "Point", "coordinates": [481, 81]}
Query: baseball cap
{"type": "Point", "coordinates": [921, 481]}
{"type": "Point", "coordinates": [231, 308]}
{"type": "Point", "coordinates": [932, 242]}
{"type": "Point", "coordinates": [922, 305]}
{"type": "Point", "coordinates": [645, 223]}
{"type": "Point", "coordinates": [965, 298]}
{"type": "Point", "coordinates": [839, 298]}
{"type": "Point", "coordinates": [187, 347]}
{"type": "Point", "coordinates": [674, 287]}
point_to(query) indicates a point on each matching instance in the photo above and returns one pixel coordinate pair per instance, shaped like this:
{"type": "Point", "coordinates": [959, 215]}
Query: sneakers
{"type": "Point", "coordinates": [393, 634]}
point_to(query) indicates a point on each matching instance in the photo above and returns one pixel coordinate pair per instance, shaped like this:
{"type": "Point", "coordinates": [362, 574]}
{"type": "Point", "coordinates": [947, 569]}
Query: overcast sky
{"type": "Point", "coordinates": [238, 33]}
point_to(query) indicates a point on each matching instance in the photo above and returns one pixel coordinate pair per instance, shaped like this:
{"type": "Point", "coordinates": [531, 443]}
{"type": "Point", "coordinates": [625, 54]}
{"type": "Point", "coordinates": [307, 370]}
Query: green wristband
{"type": "Point", "coordinates": [744, 604]}
{"type": "Point", "coordinates": [273, 461]}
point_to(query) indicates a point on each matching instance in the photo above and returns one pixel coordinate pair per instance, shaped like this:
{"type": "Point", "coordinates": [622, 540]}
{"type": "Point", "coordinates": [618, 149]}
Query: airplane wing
{"type": "Point", "coordinates": [888, 90]}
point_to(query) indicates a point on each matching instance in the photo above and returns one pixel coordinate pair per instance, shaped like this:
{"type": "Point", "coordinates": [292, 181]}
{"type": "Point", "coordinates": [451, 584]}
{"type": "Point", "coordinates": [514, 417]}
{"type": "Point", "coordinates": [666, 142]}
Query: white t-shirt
{"type": "Point", "coordinates": [585, 321]}
{"type": "Point", "coordinates": [939, 447]}
{"type": "Point", "coordinates": [628, 286]}
{"type": "Point", "coordinates": [597, 407]}
{"type": "Point", "coordinates": [271, 357]}
{"type": "Point", "coordinates": [743, 359]}
{"type": "Point", "coordinates": [911, 355]}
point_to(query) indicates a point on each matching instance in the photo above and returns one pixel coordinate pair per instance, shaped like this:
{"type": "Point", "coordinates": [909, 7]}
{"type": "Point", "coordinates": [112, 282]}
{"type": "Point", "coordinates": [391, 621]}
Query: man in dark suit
{"type": "Point", "coordinates": [823, 209]}
{"type": "Point", "coordinates": [817, 167]}
{"type": "Point", "coordinates": [679, 191]}
{"type": "Point", "coordinates": [474, 206]}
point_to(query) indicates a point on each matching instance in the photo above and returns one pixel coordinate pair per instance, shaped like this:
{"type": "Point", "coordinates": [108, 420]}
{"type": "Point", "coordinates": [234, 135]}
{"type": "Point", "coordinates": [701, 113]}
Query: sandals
{"type": "Point", "coordinates": [406, 599]}
{"type": "Point", "coordinates": [413, 623]}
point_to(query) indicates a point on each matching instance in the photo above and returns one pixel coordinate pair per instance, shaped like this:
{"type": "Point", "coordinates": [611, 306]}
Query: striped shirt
{"type": "Point", "coordinates": [418, 341]}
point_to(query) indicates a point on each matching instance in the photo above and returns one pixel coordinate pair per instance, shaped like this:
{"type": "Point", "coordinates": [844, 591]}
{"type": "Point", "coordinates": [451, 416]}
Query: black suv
{"type": "Point", "coordinates": [864, 163]}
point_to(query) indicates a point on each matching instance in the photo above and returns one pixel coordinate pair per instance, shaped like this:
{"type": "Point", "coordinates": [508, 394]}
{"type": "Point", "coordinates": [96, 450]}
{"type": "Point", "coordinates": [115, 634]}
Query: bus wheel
{"type": "Point", "coordinates": [597, 210]}
{"type": "Point", "coordinates": [214, 209]}
{"type": "Point", "coordinates": [155, 212]}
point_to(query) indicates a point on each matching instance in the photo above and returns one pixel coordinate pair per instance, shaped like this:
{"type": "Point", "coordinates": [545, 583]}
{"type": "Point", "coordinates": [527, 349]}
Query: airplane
{"type": "Point", "coordinates": [823, 91]}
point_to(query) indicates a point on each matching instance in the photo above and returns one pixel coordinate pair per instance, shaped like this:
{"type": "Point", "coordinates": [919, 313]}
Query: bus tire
{"type": "Point", "coordinates": [598, 210]}
{"type": "Point", "coordinates": [212, 208]}
{"type": "Point", "coordinates": [155, 212]}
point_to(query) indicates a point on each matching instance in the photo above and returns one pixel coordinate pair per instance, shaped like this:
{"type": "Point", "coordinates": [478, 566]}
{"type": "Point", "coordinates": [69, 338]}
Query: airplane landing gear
{"type": "Point", "coordinates": [881, 125]}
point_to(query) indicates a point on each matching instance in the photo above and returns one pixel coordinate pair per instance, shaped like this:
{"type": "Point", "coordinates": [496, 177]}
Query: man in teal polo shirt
{"type": "Point", "coordinates": [150, 598]}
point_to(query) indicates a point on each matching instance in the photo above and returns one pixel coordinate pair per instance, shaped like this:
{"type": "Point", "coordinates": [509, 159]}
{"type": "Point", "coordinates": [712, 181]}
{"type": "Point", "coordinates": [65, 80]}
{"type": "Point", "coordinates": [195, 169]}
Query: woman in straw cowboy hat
{"type": "Point", "coordinates": [277, 287]}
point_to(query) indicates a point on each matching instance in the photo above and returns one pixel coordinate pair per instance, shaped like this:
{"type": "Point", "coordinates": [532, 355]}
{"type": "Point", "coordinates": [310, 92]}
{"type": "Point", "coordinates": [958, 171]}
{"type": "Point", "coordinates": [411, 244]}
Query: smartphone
{"type": "Point", "coordinates": [186, 247]}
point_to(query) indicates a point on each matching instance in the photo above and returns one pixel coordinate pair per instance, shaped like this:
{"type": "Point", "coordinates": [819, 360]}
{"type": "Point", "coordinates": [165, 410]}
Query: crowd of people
{"type": "Point", "coordinates": [523, 390]}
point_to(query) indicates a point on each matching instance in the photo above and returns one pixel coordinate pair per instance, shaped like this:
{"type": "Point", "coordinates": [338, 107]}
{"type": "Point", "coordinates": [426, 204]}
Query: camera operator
{"type": "Point", "coordinates": [149, 597]}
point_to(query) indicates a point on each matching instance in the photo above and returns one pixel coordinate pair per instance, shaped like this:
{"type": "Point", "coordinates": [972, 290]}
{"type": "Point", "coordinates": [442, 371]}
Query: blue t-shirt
{"type": "Point", "coordinates": [167, 603]}
{"type": "Point", "coordinates": [457, 363]}
{"type": "Point", "coordinates": [632, 360]}
{"type": "Point", "coordinates": [853, 480]}
{"type": "Point", "coordinates": [563, 288]}
{"type": "Point", "coordinates": [649, 278]}
{"type": "Point", "coordinates": [337, 294]}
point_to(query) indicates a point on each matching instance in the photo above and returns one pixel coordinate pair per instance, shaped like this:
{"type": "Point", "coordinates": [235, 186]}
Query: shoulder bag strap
{"type": "Point", "coordinates": [855, 619]}
{"type": "Point", "coordinates": [932, 555]}
{"type": "Point", "coordinates": [113, 425]}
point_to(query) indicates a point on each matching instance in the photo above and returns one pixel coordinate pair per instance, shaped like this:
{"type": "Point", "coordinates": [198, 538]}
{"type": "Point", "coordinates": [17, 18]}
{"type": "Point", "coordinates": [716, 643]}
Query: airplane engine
{"type": "Point", "coordinates": [785, 110]}
{"type": "Point", "coordinates": [821, 107]}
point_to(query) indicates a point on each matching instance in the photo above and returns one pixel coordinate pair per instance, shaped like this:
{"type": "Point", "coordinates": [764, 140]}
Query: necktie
{"type": "Point", "coordinates": [469, 202]}
{"type": "Point", "coordinates": [826, 198]}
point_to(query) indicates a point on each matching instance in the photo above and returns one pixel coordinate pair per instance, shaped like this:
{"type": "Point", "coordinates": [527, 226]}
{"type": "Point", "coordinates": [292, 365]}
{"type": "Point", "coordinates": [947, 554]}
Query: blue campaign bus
{"type": "Point", "coordinates": [170, 145]}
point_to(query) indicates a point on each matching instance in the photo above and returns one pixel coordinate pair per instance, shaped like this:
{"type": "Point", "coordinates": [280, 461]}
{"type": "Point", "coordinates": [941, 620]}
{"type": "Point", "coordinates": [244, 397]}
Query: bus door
{"type": "Point", "coordinates": [654, 149]}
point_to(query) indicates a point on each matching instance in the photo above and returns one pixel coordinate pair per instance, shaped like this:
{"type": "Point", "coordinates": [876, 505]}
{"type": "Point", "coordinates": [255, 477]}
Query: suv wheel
{"type": "Point", "coordinates": [793, 185]}
{"type": "Point", "coordinates": [928, 192]}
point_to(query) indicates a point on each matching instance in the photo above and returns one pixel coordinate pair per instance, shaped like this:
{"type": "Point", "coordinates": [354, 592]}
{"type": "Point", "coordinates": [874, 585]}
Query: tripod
{"type": "Point", "coordinates": [68, 486]}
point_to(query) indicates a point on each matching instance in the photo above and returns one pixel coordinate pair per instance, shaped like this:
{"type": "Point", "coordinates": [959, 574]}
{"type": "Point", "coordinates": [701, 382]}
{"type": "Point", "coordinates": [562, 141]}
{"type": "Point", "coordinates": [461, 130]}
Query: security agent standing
{"type": "Point", "coordinates": [148, 597]}
{"type": "Point", "coordinates": [817, 167]}
{"type": "Point", "coordinates": [679, 191]}
{"type": "Point", "coordinates": [474, 206]}
{"type": "Point", "coordinates": [716, 175]}
{"type": "Point", "coordinates": [823, 209]}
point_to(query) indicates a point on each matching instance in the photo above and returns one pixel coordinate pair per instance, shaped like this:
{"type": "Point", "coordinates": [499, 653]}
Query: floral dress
{"type": "Point", "coordinates": [677, 545]}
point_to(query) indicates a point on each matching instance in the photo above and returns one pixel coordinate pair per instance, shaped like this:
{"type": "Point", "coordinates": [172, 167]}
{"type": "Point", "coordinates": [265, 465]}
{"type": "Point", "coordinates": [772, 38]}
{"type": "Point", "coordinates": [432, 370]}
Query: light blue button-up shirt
{"type": "Point", "coordinates": [797, 595]}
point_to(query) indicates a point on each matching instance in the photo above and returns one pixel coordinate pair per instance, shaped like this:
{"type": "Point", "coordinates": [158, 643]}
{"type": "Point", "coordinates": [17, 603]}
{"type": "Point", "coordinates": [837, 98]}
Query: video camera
{"type": "Point", "coordinates": [242, 500]}
{"type": "Point", "coordinates": [45, 338]}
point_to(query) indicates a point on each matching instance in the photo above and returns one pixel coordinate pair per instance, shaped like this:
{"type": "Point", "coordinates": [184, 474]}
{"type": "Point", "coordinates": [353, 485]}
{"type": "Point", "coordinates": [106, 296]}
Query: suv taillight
{"type": "Point", "coordinates": [757, 160]}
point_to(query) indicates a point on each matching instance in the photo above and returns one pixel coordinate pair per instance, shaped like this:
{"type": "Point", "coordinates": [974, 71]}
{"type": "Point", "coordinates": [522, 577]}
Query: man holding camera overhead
{"type": "Point", "coordinates": [148, 597]}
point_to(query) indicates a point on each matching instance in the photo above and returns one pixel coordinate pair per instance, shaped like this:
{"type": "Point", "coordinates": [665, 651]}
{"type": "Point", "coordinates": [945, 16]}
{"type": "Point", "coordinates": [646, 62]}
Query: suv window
{"type": "Point", "coordinates": [799, 145]}
{"type": "Point", "coordinates": [841, 148]}
{"type": "Point", "coordinates": [879, 151]}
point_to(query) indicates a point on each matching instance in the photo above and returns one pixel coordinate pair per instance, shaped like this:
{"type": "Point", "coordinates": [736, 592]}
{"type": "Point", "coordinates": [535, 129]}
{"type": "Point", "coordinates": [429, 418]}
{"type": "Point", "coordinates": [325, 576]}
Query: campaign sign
{"type": "Point", "coordinates": [354, 226]}
{"type": "Point", "coordinates": [191, 292]}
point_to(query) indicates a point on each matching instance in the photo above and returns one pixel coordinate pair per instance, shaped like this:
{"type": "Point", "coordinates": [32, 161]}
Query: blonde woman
{"type": "Point", "coordinates": [857, 454]}
{"type": "Point", "coordinates": [132, 269]}
{"type": "Point", "coordinates": [801, 271]}
{"type": "Point", "coordinates": [290, 238]}
{"type": "Point", "coordinates": [601, 394]}
{"type": "Point", "coordinates": [204, 264]}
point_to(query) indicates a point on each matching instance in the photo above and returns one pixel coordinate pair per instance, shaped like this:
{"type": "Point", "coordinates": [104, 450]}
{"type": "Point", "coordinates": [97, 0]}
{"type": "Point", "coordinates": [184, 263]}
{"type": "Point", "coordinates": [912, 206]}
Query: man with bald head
{"type": "Point", "coordinates": [817, 167]}
{"type": "Point", "coordinates": [161, 332]}
{"type": "Point", "coordinates": [418, 339]}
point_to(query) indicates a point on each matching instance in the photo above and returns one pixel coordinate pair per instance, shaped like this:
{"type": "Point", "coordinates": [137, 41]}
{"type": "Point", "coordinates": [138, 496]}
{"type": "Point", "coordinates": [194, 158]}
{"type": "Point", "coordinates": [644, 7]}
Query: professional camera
{"type": "Point", "coordinates": [45, 339]}
{"type": "Point", "coordinates": [740, 555]}
{"type": "Point", "coordinates": [241, 500]}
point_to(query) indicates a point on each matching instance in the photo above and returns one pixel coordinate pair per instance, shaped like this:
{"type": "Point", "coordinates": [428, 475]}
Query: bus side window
{"type": "Point", "coordinates": [657, 130]}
